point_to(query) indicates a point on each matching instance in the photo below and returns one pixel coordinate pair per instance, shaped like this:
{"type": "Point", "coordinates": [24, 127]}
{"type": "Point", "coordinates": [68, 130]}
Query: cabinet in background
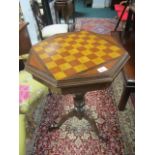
{"type": "Point", "coordinates": [24, 39]}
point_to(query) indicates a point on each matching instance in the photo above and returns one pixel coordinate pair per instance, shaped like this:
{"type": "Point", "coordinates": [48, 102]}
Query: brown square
{"type": "Point", "coordinates": [94, 49]}
{"type": "Point", "coordinates": [106, 57]}
{"type": "Point", "coordinates": [78, 55]}
{"type": "Point", "coordinates": [89, 64]}
{"type": "Point", "coordinates": [68, 47]}
{"type": "Point", "coordinates": [60, 61]}
{"type": "Point", "coordinates": [92, 56]}
{"type": "Point", "coordinates": [75, 63]}
{"type": "Point", "coordinates": [96, 44]}
{"type": "Point", "coordinates": [72, 42]}
{"type": "Point", "coordinates": [81, 48]}
{"type": "Point", "coordinates": [83, 42]}
{"type": "Point", "coordinates": [65, 54]}
{"type": "Point", "coordinates": [55, 70]}
{"type": "Point", "coordinates": [70, 72]}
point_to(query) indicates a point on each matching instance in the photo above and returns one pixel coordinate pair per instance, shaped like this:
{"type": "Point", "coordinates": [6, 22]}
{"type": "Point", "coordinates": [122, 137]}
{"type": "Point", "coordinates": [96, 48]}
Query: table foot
{"type": "Point", "coordinates": [57, 125]}
{"type": "Point", "coordinates": [92, 122]}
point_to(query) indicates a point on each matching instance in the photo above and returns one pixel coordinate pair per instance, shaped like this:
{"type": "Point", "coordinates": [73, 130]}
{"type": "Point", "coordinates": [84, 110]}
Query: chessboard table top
{"type": "Point", "coordinates": [76, 57]}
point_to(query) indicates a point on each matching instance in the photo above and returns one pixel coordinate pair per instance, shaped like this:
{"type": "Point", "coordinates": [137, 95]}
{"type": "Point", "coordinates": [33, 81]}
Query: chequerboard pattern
{"type": "Point", "coordinates": [71, 53]}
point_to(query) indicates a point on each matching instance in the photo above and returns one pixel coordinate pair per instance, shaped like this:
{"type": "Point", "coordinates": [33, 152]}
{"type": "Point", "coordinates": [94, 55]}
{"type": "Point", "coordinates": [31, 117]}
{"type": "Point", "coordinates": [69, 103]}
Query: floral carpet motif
{"type": "Point", "coordinates": [76, 137]}
{"type": "Point", "coordinates": [98, 25]}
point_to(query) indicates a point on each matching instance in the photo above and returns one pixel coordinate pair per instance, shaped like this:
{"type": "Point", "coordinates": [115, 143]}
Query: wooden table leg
{"type": "Point", "coordinates": [79, 112]}
{"type": "Point", "coordinates": [125, 96]}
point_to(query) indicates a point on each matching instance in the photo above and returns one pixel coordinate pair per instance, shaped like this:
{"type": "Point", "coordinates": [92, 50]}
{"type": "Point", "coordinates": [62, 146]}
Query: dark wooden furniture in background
{"type": "Point", "coordinates": [47, 13]}
{"type": "Point", "coordinates": [113, 2]}
{"type": "Point", "coordinates": [127, 40]}
{"type": "Point", "coordinates": [130, 23]}
{"type": "Point", "coordinates": [88, 2]}
{"type": "Point", "coordinates": [24, 42]}
{"type": "Point", "coordinates": [24, 39]}
{"type": "Point", "coordinates": [46, 31]}
{"type": "Point", "coordinates": [65, 10]}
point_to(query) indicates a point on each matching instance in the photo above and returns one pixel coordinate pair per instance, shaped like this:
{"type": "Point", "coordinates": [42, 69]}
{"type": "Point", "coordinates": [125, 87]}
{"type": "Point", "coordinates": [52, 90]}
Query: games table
{"type": "Point", "coordinates": [77, 62]}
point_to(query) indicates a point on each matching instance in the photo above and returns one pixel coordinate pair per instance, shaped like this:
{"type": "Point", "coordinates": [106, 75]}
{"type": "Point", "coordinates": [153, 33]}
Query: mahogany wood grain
{"type": "Point", "coordinates": [24, 39]}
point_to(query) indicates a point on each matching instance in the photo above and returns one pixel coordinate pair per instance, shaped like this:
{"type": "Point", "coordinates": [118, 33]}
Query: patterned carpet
{"type": "Point", "coordinates": [76, 137]}
{"type": "Point", "coordinates": [98, 25]}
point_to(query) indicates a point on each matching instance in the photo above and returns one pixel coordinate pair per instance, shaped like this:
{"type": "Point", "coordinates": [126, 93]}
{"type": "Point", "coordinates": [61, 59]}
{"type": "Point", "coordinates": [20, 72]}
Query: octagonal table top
{"type": "Point", "coordinates": [76, 58]}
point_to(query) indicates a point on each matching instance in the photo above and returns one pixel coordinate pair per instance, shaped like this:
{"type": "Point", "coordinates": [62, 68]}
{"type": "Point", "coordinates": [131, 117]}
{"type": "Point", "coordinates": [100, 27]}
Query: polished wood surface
{"type": "Point", "coordinates": [24, 39]}
{"type": "Point", "coordinates": [61, 61]}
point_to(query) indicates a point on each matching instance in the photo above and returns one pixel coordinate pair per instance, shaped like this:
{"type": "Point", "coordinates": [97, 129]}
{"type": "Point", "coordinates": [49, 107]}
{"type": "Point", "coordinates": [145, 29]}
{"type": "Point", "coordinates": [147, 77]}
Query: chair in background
{"type": "Point", "coordinates": [46, 31]}
{"type": "Point", "coordinates": [65, 12]}
{"type": "Point", "coordinates": [127, 40]}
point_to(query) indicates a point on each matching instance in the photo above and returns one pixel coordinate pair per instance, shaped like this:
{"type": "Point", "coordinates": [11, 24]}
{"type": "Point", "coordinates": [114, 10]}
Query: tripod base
{"type": "Point", "coordinates": [80, 113]}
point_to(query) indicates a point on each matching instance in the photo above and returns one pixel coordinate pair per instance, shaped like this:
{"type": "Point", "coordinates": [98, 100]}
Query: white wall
{"type": "Point", "coordinates": [101, 3]}
{"type": "Point", "coordinates": [28, 17]}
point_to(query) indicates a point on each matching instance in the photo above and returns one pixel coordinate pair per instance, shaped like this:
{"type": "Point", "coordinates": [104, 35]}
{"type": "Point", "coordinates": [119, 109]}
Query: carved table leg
{"type": "Point", "coordinates": [63, 119]}
{"type": "Point", "coordinates": [101, 136]}
{"type": "Point", "coordinates": [79, 112]}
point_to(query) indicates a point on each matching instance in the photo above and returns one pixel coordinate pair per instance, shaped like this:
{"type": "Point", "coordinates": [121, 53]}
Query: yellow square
{"type": "Point", "coordinates": [73, 51]}
{"type": "Point", "coordinates": [102, 47]}
{"type": "Point", "coordinates": [90, 41]}
{"type": "Point", "coordinates": [92, 37]}
{"type": "Point", "coordinates": [69, 39]}
{"type": "Point", "coordinates": [83, 59]}
{"type": "Point", "coordinates": [69, 58]}
{"type": "Point", "coordinates": [114, 48]}
{"type": "Point", "coordinates": [38, 48]}
{"type": "Point", "coordinates": [56, 57]}
{"type": "Point", "coordinates": [44, 43]}
{"type": "Point", "coordinates": [98, 61]}
{"type": "Point", "coordinates": [80, 67]}
{"type": "Point", "coordinates": [89, 45]}
{"type": "Point", "coordinates": [51, 65]}
{"type": "Point", "coordinates": [76, 45]}
{"type": "Point", "coordinates": [86, 52]}
{"type": "Point", "coordinates": [102, 42]}
{"type": "Point", "coordinates": [65, 44]}
{"type": "Point", "coordinates": [79, 40]}
{"type": "Point", "coordinates": [100, 53]}
{"type": "Point", "coordinates": [65, 66]}
{"type": "Point", "coordinates": [114, 54]}
{"type": "Point", "coordinates": [48, 50]}
{"type": "Point", "coordinates": [60, 75]}
{"type": "Point", "coordinates": [44, 56]}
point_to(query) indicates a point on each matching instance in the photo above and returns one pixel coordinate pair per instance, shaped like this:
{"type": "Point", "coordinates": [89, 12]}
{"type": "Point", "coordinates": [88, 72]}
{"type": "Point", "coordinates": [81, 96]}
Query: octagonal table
{"type": "Point", "coordinates": [77, 62]}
